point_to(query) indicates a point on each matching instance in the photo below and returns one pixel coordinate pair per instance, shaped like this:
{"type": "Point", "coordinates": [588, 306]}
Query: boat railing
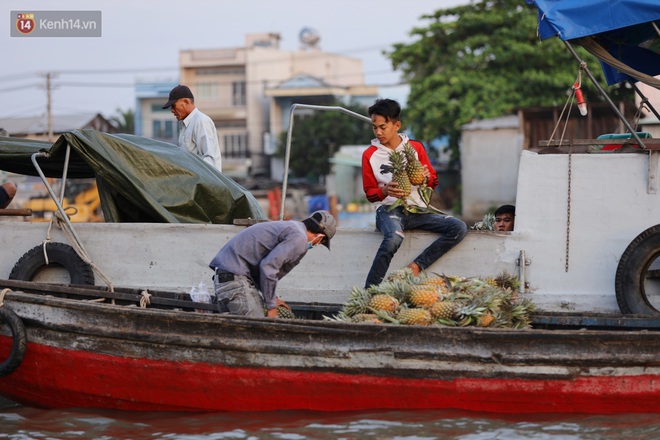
{"type": "Point", "coordinates": [287, 154]}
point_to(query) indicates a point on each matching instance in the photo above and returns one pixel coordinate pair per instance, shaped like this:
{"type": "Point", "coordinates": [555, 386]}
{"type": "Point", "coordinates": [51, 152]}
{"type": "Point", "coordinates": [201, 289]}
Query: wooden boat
{"type": "Point", "coordinates": [83, 353]}
{"type": "Point", "coordinates": [587, 246]}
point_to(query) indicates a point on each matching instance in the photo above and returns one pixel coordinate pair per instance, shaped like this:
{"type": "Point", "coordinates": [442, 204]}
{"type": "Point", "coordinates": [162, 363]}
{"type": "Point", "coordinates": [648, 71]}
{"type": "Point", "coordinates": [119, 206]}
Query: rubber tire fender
{"type": "Point", "coordinates": [630, 273]}
{"type": "Point", "coordinates": [59, 254]}
{"type": "Point", "coordinates": [19, 347]}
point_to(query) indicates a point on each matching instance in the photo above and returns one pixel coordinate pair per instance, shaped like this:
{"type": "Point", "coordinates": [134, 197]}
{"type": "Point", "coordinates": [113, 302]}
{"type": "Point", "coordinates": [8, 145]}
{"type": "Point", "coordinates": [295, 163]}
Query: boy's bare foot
{"type": "Point", "coordinates": [415, 268]}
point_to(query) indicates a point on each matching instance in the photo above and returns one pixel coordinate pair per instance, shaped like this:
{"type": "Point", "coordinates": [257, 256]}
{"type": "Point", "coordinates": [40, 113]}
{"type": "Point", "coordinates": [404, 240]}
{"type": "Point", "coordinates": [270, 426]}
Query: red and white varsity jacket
{"type": "Point", "coordinates": [373, 181]}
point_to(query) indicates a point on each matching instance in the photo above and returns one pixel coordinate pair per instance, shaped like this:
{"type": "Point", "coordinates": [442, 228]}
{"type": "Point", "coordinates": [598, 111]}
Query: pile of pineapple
{"type": "Point", "coordinates": [403, 298]}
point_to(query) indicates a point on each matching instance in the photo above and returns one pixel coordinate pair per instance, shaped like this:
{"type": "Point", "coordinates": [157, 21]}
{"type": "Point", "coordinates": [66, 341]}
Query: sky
{"type": "Point", "coordinates": [141, 40]}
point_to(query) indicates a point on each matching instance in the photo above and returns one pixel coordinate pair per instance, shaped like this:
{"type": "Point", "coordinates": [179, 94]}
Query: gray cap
{"type": "Point", "coordinates": [327, 223]}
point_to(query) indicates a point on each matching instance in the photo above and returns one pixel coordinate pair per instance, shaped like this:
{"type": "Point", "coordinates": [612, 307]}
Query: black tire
{"type": "Point", "coordinates": [59, 254]}
{"type": "Point", "coordinates": [632, 283]}
{"type": "Point", "coordinates": [19, 347]}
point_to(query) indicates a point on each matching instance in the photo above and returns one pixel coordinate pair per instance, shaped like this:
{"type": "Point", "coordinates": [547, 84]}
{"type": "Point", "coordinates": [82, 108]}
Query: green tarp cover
{"type": "Point", "coordinates": [139, 179]}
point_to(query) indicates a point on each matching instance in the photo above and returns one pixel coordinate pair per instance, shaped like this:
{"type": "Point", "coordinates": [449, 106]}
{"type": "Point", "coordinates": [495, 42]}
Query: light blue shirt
{"type": "Point", "coordinates": [199, 136]}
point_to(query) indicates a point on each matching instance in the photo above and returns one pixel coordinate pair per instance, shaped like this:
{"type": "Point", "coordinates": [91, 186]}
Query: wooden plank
{"type": "Point", "coordinates": [132, 296]}
{"type": "Point", "coordinates": [596, 321]}
{"type": "Point", "coordinates": [649, 143]}
{"type": "Point", "coordinates": [16, 212]}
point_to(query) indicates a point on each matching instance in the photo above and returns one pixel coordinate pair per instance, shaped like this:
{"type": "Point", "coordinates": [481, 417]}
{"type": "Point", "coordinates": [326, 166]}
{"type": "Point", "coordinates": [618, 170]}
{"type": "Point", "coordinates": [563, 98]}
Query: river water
{"type": "Point", "coordinates": [21, 423]}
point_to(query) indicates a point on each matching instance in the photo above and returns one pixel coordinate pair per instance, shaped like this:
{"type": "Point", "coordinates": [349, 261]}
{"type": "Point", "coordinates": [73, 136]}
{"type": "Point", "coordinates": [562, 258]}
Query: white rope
{"type": "Point", "coordinates": [145, 300]}
{"type": "Point", "coordinates": [569, 99]}
{"type": "Point", "coordinates": [2, 296]}
{"type": "Point", "coordinates": [59, 221]}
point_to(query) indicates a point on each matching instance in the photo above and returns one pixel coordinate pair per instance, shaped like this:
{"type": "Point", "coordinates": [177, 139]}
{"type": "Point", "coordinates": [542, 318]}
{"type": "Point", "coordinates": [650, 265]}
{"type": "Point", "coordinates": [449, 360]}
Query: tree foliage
{"type": "Point", "coordinates": [316, 138]}
{"type": "Point", "coordinates": [483, 60]}
{"type": "Point", "coordinates": [125, 121]}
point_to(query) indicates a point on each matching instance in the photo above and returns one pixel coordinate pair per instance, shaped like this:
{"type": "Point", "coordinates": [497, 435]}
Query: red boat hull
{"type": "Point", "coordinates": [59, 378]}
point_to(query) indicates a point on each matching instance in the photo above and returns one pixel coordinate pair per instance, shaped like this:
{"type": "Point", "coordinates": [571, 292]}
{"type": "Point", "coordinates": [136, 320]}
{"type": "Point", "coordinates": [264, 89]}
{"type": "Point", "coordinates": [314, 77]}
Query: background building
{"type": "Point", "coordinates": [40, 128]}
{"type": "Point", "coordinates": [151, 120]}
{"type": "Point", "coordinates": [247, 91]}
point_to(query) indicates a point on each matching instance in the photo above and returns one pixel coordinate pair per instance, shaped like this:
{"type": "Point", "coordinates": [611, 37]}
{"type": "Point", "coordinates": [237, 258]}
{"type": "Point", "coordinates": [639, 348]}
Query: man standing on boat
{"type": "Point", "coordinates": [249, 266]}
{"type": "Point", "coordinates": [383, 191]}
{"type": "Point", "coordinates": [197, 132]}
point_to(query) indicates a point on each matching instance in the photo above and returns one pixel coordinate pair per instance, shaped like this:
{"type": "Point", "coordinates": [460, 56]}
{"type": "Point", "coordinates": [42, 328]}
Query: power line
{"type": "Point", "coordinates": [117, 85]}
{"type": "Point", "coordinates": [17, 76]}
{"type": "Point", "coordinates": [115, 71]}
{"type": "Point", "coordinates": [176, 68]}
{"type": "Point", "coordinates": [133, 84]}
{"type": "Point", "coordinates": [17, 88]}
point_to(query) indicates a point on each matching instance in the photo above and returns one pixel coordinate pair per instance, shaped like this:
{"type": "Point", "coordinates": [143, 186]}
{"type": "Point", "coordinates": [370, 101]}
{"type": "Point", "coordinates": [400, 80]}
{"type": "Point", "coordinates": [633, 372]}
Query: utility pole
{"type": "Point", "coordinates": [49, 101]}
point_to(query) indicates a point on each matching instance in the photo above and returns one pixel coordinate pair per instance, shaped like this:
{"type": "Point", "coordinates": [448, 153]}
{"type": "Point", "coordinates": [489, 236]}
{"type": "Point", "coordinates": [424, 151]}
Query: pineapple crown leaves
{"type": "Point", "coordinates": [409, 151]}
{"type": "Point", "coordinates": [486, 224]}
{"type": "Point", "coordinates": [449, 281]}
{"type": "Point", "coordinates": [357, 301]}
{"type": "Point", "coordinates": [405, 274]}
{"type": "Point", "coordinates": [339, 317]}
{"type": "Point", "coordinates": [397, 289]}
{"type": "Point", "coordinates": [506, 280]}
{"type": "Point", "coordinates": [446, 322]}
{"type": "Point", "coordinates": [397, 163]}
{"type": "Point", "coordinates": [383, 315]}
{"type": "Point", "coordinates": [425, 194]}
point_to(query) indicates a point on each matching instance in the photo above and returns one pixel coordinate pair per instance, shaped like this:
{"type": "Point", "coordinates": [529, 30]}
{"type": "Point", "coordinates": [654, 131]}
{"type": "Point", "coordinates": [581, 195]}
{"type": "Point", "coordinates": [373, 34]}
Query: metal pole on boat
{"type": "Point", "coordinates": [583, 65]}
{"type": "Point", "coordinates": [287, 153]}
{"type": "Point", "coordinates": [52, 194]}
{"type": "Point", "coordinates": [67, 155]}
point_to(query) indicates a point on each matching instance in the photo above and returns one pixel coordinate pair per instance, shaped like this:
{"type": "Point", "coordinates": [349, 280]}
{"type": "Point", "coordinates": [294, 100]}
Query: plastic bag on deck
{"type": "Point", "coordinates": [200, 293]}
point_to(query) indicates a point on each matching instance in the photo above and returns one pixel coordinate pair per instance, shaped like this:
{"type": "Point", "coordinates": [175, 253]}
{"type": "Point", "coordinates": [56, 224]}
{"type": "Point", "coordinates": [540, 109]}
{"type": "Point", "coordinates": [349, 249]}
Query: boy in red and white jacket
{"type": "Point", "coordinates": [381, 190]}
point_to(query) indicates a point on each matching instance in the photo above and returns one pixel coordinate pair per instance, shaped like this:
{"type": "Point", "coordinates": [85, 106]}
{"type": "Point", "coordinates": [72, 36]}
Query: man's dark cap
{"type": "Point", "coordinates": [177, 93]}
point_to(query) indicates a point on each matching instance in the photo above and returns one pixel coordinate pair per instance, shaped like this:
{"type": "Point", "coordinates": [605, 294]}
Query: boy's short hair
{"type": "Point", "coordinates": [505, 209]}
{"type": "Point", "coordinates": [387, 108]}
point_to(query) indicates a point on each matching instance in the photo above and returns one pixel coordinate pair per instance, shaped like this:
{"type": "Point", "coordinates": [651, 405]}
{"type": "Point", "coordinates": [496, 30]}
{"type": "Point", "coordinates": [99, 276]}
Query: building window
{"type": "Point", "coordinates": [238, 93]}
{"type": "Point", "coordinates": [158, 108]}
{"type": "Point", "coordinates": [207, 90]}
{"type": "Point", "coordinates": [209, 71]}
{"type": "Point", "coordinates": [236, 145]}
{"type": "Point", "coordinates": [163, 130]}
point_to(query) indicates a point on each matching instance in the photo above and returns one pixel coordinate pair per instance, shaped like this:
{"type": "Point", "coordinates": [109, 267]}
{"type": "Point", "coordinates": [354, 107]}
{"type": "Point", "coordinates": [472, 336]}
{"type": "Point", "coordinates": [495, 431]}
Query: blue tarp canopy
{"type": "Point", "coordinates": [616, 31]}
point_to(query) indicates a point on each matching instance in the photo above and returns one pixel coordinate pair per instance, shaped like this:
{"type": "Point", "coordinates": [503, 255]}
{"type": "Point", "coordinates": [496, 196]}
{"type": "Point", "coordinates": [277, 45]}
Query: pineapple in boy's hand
{"type": "Point", "coordinates": [414, 167]}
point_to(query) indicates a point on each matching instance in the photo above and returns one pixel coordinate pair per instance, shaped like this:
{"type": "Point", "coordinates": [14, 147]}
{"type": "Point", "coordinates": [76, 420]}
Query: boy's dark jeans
{"type": "Point", "coordinates": [393, 223]}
